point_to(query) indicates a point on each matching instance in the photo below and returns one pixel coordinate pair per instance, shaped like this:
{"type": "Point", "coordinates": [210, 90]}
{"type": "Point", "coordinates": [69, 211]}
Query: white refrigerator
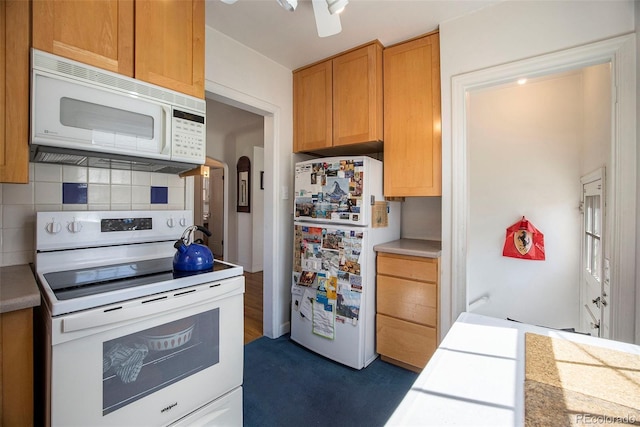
{"type": "Point", "coordinates": [340, 215]}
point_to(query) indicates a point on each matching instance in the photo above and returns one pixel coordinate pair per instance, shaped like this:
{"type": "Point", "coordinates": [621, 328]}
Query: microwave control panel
{"type": "Point", "coordinates": [188, 137]}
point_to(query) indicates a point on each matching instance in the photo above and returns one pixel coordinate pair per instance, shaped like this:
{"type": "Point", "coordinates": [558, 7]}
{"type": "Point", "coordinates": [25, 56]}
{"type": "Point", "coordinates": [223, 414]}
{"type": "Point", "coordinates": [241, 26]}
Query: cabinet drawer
{"type": "Point", "coordinates": [407, 299]}
{"type": "Point", "coordinates": [416, 268]}
{"type": "Point", "coordinates": [407, 342]}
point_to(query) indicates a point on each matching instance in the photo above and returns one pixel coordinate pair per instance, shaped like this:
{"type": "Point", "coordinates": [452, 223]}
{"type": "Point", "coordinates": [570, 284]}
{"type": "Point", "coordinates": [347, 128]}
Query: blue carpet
{"type": "Point", "coordinates": [288, 385]}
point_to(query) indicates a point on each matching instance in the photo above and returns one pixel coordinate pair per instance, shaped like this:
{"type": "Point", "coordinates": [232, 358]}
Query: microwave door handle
{"type": "Point", "coordinates": [167, 122]}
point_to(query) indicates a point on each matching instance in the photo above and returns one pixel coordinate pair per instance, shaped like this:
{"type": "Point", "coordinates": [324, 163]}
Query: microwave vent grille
{"type": "Point", "coordinates": [66, 159]}
{"type": "Point", "coordinates": [65, 156]}
{"type": "Point", "coordinates": [91, 75]}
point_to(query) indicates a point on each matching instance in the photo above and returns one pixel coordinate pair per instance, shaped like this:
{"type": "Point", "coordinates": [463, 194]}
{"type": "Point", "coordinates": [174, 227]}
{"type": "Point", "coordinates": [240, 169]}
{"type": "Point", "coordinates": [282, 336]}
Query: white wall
{"type": "Point", "coordinates": [637, 29]}
{"type": "Point", "coordinates": [597, 118]}
{"type": "Point", "coordinates": [248, 79]}
{"type": "Point", "coordinates": [245, 143]}
{"type": "Point", "coordinates": [500, 34]}
{"type": "Point", "coordinates": [422, 218]}
{"type": "Point", "coordinates": [257, 210]}
{"type": "Point", "coordinates": [524, 150]}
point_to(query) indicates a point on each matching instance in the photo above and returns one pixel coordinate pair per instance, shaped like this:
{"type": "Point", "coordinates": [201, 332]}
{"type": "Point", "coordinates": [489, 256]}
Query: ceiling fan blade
{"type": "Point", "coordinates": [229, 1]}
{"type": "Point", "coordinates": [326, 23]}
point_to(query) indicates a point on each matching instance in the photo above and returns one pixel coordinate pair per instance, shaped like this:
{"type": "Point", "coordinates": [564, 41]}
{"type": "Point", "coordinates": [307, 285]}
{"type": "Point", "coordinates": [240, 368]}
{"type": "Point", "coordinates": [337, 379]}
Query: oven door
{"type": "Point", "coordinates": [149, 361]}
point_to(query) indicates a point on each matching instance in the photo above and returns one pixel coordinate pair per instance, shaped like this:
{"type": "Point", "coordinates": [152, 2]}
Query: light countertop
{"type": "Point", "coordinates": [477, 375]}
{"type": "Point", "coordinates": [412, 247]}
{"type": "Point", "coordinates": [18, 288]}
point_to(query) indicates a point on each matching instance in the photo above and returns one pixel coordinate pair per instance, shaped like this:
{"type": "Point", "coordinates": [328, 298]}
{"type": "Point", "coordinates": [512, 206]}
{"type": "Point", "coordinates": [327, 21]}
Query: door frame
{"type": "Point", "coordinates": [620, 53]}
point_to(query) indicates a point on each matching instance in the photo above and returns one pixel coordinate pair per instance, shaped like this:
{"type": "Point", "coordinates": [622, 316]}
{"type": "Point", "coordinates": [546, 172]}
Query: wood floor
{"type": "Point", "coordinates": [252, 306]}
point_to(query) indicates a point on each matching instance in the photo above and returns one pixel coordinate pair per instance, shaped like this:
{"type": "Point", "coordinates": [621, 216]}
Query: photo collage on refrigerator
{"type": "Point", "coordinates": [329, 190]}
{"type": "Point", "coordinates": [327, 276]}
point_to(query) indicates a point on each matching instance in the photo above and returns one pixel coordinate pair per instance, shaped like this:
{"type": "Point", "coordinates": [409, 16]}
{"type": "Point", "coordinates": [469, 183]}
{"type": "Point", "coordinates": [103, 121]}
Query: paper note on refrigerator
{"type": "Point", "coordinates": [324, 319]}
{"type": "Point", "coordinates": [380, 215]}
{"type": "Point", "coordinates": [305, 304]}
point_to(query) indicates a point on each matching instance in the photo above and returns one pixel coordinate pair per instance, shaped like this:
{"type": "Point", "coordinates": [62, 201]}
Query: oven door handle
{"type": "Point", "coordinates": [153, 306]}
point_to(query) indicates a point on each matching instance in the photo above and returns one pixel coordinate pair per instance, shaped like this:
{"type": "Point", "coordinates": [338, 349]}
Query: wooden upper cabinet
{"type": "Point", "coordinates": [357, 96]}
{"type": "Point", "coordinates": [312, 107]}
{"type": "Point", "coordinates": [160, 42]}
{"type": "Point", "coordinates": [338, 102]}
{"type": "Point", "coordinates": [98, 33]}
{"type": "Point", "coordinates": [170, 44]}
{"type": "Point", "coordinates": [14, 91]}
{"type": "Point", "coordinates": [412, 119]}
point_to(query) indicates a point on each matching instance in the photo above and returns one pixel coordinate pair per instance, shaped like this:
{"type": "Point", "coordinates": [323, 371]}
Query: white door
{"type": "Point", "coordinates": [216, 205]}
{"type": "Point", "coordinates": [594, 304]}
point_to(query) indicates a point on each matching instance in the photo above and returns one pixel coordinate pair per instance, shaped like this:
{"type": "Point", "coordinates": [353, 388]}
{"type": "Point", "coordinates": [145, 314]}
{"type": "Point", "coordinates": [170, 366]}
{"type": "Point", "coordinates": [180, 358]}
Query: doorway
{"type": "Point", "coordinates": [620, 54]}
{"type": "Point", "coordinates": [208, 206]}
{"type": "Point", "coordinates": [529, 143]}
{"type": "Point", "coordinates": [237, 234]}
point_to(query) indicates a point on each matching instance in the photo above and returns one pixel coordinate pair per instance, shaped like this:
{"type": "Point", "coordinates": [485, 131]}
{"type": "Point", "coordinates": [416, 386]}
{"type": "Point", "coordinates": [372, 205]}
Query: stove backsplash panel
{"type": "Point", "coordinates": [57, 188]}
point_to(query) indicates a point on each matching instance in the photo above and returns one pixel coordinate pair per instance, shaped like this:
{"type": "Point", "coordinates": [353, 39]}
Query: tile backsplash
{"type": "Point", "coordinates": [57, 188]}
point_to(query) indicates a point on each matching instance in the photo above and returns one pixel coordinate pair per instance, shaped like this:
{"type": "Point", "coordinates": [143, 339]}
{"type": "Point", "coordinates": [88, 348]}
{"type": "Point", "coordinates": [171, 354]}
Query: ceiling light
{"type": "Point", "coordinates": [289, 5]}
{"type": "Point", "coordinates": [337, 6]}
{"type": "Point", "coordinates": [522, 81]}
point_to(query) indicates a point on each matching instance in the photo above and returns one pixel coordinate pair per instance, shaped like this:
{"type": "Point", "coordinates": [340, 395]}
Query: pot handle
{"type": "Point", "coordinates": [204, 230]}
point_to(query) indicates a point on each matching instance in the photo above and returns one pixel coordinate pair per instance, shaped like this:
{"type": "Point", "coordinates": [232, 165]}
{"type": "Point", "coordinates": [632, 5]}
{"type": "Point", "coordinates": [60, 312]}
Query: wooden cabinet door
{"type": "Point", "coordinates": [312, 107]}
{"type": "Point", "coordinates": [357, 96]}
{"type": "Point", "coordinates": [16, 360]}
{"type": "Point", "coordinates": [170, 44]}
{"type": "Point", "coordinates": [14, 91]}
{"type": "Point", "coordinates": [98, 33]}
{"type": "Point", "coordinates": [406, 342]}
{"type": "Point", "coordinates": [412, 133]}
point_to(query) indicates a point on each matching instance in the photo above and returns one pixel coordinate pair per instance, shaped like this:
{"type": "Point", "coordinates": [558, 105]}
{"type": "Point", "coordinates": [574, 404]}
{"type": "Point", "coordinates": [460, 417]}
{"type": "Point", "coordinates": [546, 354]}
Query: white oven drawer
{"type": "Point", "coordinates": [151, 368]}
{"type": "Point", "coordinates": [225, 411]}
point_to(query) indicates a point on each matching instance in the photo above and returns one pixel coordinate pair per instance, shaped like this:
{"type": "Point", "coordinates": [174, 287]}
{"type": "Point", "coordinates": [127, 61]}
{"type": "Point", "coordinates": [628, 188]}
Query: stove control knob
{"type": "Point", "coordinates": [170, 223]}
{"type": "Point", "coordinates": [74, 226]}
{"type": "Point", "coordinates": [183, 222]}
{"type": "Point", "coordinates": [53, 227]}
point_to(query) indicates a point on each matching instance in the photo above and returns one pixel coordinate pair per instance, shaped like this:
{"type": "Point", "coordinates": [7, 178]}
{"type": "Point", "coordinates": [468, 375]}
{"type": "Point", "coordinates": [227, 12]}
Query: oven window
{"type": "Point", "coordinates": [142, 363]}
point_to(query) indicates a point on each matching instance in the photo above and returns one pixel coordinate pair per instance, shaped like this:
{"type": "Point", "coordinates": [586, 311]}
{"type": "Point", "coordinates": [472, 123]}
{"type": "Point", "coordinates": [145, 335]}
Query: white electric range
{"type": "Point", "coordinates": [126, 340]}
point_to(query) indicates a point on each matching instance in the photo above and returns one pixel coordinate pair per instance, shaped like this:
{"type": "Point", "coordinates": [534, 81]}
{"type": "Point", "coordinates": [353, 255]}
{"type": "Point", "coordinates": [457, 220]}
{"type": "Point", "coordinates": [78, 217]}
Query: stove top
{"type": "Point", "coordinates": [71, 291]}
{"type": "Point", "coordinates": [97, 280]}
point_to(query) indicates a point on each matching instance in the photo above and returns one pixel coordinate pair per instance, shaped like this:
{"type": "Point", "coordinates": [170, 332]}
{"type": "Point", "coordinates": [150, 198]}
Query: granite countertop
{"type": "Point", "coordinates": [412, 247]}
{"type": "Point", "coordinates": [18, 288]}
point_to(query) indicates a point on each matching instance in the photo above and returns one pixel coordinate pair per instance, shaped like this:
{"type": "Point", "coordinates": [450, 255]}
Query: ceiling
{"type": "Point", "coordinates": [291, 39]}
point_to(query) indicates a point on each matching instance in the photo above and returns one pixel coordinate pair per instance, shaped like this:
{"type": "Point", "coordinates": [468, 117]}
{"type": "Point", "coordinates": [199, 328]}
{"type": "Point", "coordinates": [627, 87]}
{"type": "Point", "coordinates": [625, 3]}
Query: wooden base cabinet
{"type": "Point", "coordinates": [407, 303]}
{"type": "Point", "coordinates": [16, 368]}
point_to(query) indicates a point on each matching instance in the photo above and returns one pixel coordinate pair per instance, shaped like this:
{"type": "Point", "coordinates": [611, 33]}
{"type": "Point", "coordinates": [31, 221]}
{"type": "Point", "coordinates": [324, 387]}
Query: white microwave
{"type": "Point", "coordinates": [87, 116]}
